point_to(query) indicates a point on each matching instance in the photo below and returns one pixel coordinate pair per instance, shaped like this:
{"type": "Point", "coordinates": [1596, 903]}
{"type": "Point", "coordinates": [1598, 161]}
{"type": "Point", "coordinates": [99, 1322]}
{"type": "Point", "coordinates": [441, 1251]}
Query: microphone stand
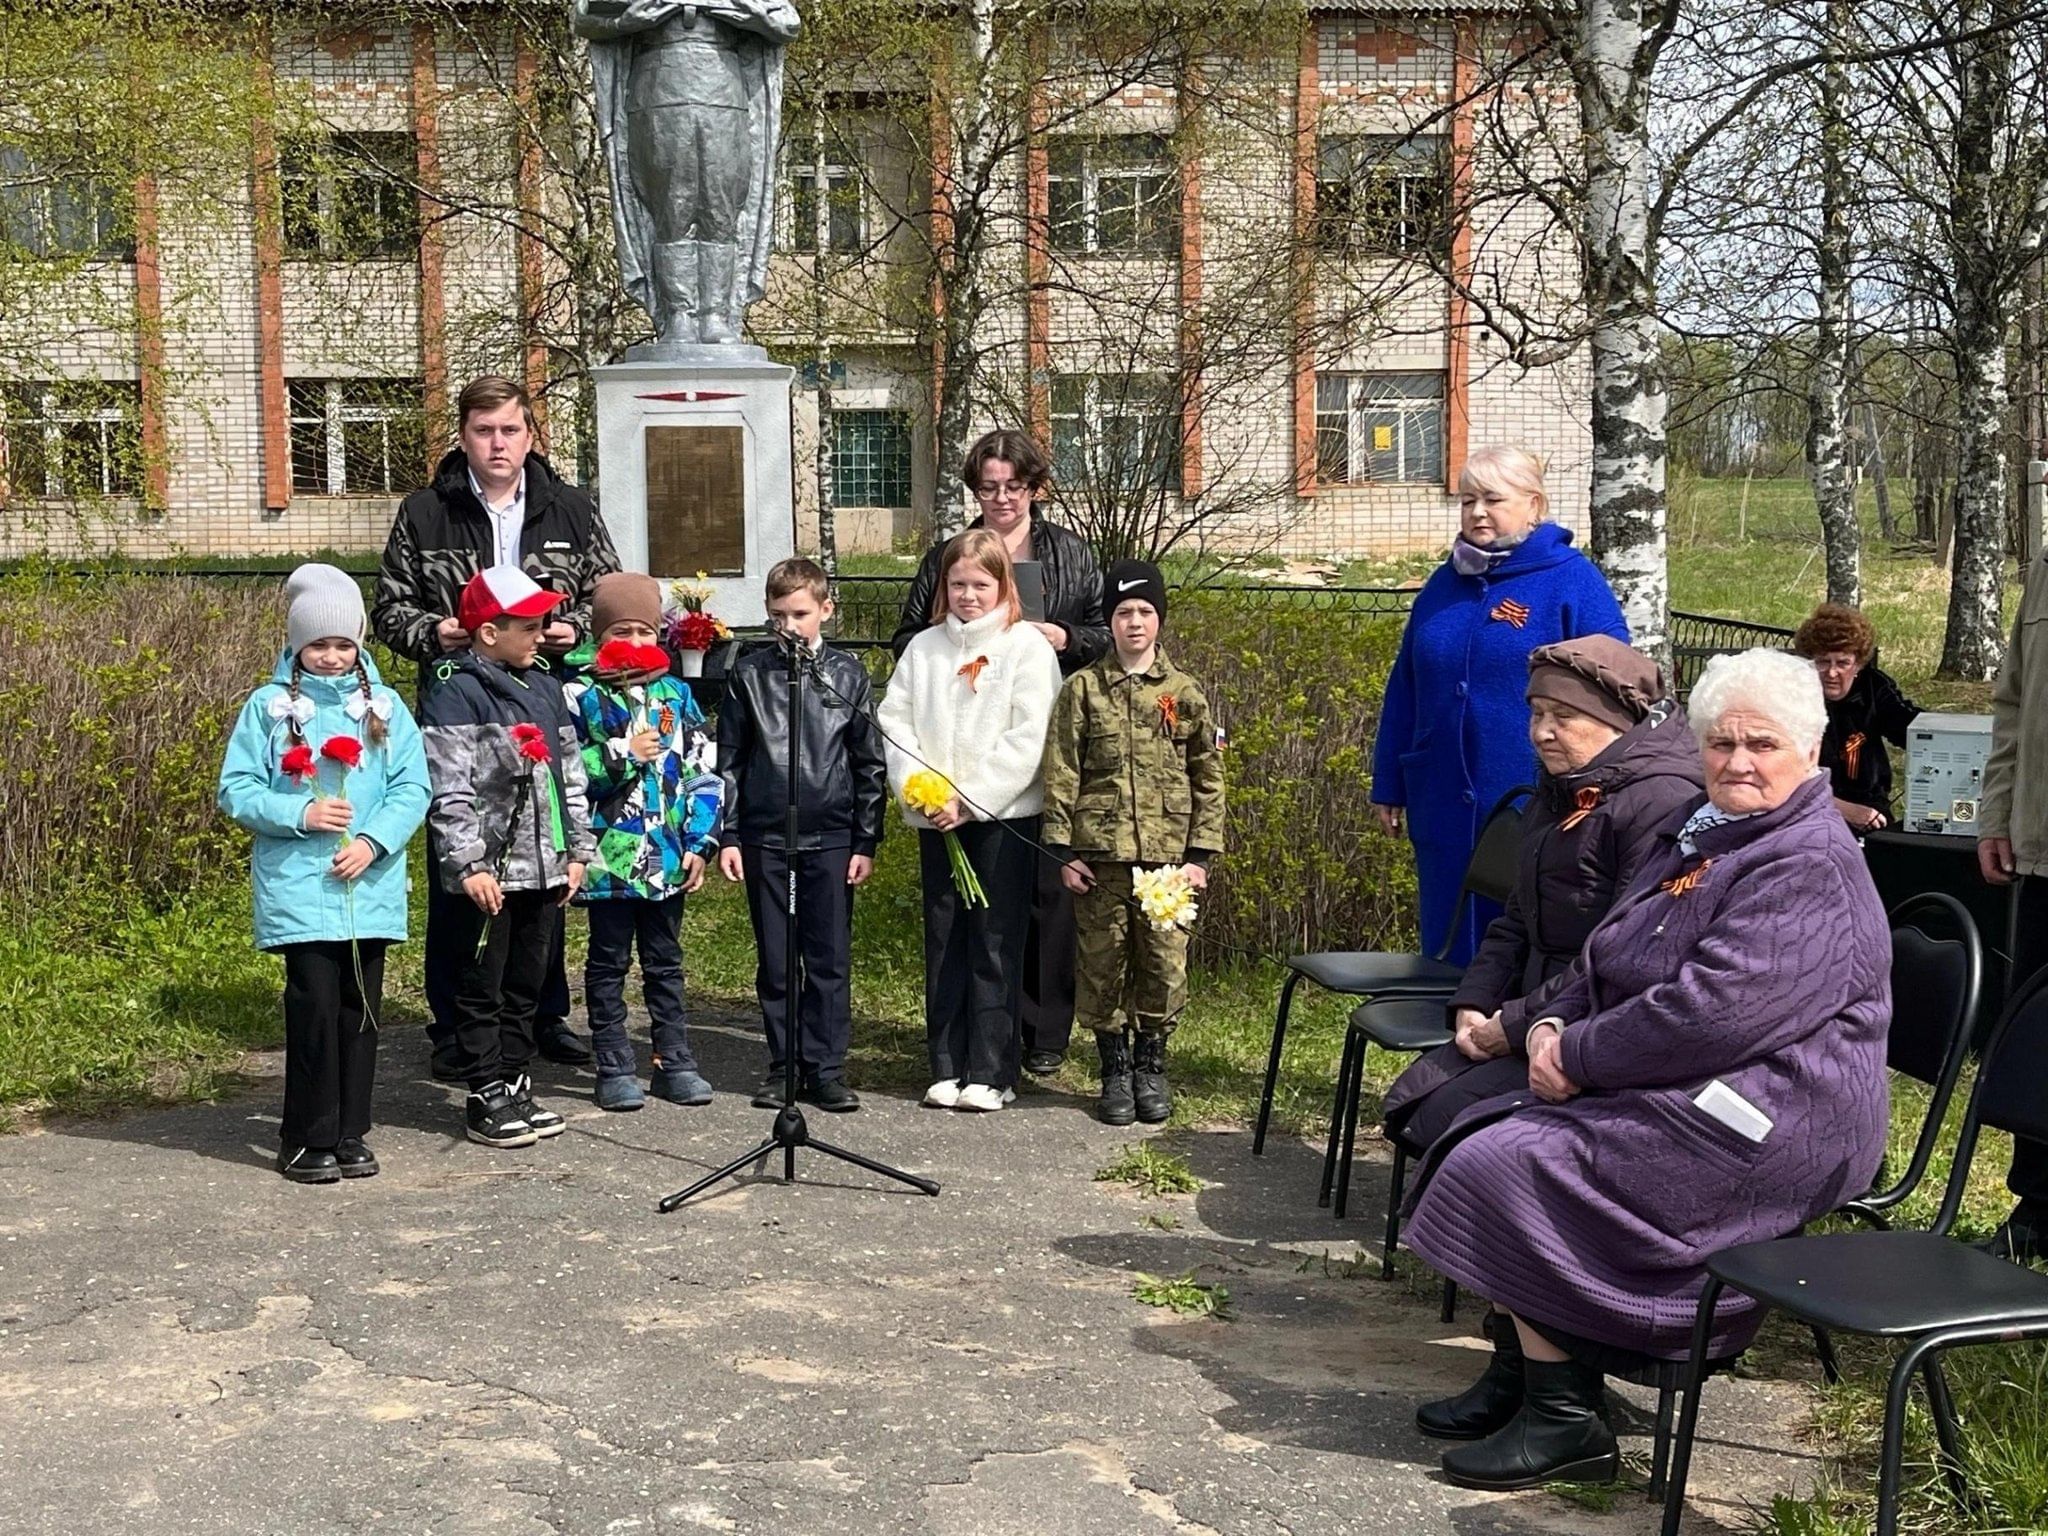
{"type": "Point", "coordinates": [790, 1130]}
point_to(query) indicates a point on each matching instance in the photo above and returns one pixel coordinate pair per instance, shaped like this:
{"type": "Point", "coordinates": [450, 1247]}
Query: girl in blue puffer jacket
{"type": "Point", "coordinates": [326, 768]}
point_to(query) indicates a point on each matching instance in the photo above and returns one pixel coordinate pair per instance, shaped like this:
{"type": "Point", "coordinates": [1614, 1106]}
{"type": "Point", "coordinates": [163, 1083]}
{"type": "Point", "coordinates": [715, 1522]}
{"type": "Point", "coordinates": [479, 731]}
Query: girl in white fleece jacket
{"type": "Point", "coordinates": [971, 697]}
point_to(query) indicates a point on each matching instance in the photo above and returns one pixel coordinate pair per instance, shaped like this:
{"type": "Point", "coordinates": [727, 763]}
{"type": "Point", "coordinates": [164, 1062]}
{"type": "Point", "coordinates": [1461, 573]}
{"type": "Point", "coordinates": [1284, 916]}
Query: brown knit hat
{"type": "Point", "coordinates": [624, 595]}
{"type": "Point", "coordinates": [1597, 676]}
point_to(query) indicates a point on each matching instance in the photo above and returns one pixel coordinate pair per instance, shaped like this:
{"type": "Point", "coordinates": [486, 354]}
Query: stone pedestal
{"type": "Point", "coordinates": [694, 473]}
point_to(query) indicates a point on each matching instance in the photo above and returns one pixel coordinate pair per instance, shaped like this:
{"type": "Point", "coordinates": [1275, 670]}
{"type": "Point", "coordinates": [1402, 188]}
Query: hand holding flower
{"type": "Point", "coordinates": [327, 814]}
{"type": "Point", "coordinates": [645, 746]}
{"type": "Point", "coordinates": [1196, 876]}
{"type": "Point", "coordinates": [352, 858]}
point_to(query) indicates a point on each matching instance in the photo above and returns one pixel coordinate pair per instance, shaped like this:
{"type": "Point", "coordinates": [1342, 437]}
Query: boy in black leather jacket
{"type": "Point", "coordinates": [841, 792]}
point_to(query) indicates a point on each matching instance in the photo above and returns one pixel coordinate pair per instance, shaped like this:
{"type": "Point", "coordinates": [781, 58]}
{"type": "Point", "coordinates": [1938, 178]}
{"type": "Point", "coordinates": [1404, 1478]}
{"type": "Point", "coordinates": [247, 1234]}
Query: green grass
{"type": "Point", "coordinates": [1182, 1294]}
{"type": "Point", "coordinates": [1150, 1171]}
{"type": "Point", "coordinates": [97, 1011]}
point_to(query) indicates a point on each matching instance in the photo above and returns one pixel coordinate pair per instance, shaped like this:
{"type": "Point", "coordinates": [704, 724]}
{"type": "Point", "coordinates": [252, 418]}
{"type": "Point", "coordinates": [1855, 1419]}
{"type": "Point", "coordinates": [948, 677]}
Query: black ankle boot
{"type": "Point", "coordinates": [1148, 1080]}
{"type": "Point", "coordinates": [1116, 1106]}
{"type": "Point", "coordinates": [1490, 1402]}
{"type": "Point", "coordinates": [1559, 1436]}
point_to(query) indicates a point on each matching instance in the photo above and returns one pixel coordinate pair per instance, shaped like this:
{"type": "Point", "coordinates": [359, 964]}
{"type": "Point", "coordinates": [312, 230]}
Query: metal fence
{"type": "Point", "coordinates": [870, 606]}
{"type": "Point", "coordinates": [1698, 637]}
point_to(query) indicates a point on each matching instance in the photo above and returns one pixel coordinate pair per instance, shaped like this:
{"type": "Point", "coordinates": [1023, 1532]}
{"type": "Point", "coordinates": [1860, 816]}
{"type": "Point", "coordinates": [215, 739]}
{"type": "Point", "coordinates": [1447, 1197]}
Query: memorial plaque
{"type": "Point", "coordinates": [696, 500]}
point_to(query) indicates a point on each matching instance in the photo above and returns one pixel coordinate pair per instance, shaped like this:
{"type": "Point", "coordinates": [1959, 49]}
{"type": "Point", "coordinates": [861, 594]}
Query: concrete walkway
{"type": "Point", "coordinates": [514, 1342]}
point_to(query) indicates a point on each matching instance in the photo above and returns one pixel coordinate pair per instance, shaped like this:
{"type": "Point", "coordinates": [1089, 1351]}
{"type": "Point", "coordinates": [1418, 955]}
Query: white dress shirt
{"type": "Point", "coordinates": [506, 521]}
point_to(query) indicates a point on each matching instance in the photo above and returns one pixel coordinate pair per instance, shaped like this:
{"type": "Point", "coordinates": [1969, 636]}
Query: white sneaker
{"type": "Point", "coordinates": [944, 1094]}
{"type": "Point", "coordinates": [980, 1096]}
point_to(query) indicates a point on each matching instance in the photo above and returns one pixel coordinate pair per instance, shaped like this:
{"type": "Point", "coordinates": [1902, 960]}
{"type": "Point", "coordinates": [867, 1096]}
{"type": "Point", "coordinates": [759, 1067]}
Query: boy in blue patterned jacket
{"type": "Point", "coordinates": [654, 806]}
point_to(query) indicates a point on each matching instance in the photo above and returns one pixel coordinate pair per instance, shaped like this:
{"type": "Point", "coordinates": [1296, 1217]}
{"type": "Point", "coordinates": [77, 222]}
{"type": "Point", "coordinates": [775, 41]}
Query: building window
{"type": "Point", "coordinates": [1113, 197]}
{"type": "Point", "coordinates": [1115, 431]}
{"type": "Point", "coordinates": [1382, 194]}
{"type": "Point", "coordinates": [871, 458]}
{"type": "Point", "coordinates": [1379, 428]}
{"type": "Point", "coordinates": [350, 197]}
{"type": "Point", "coordinates": [845, 231]}
{"type": "Point", "coordinates": [74, 438]}
{"type": "Point", "coordinates": [48, 210]}
{"type": "Point", "coordinates": [351, 437]}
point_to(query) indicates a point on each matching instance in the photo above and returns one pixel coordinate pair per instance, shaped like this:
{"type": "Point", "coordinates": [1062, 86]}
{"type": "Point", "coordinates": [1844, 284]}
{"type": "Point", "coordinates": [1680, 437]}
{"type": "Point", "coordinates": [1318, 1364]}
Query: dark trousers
{"type": "Point", "coordinates": [824, 929]}
{"type": "Point", "coordinates": [441, 954]}
{"type": "Point", "coordinates": [974, 956]}
{"type": "Point", "coordinates": [330, 1040]}
{"type": "Point", "coordinates": [1048, 1016]}
{"type": "Point", "coordinates": [504, 961]}
{"type": "Point", "coordinates": [443, 959]}
{"type": "Point", "coordinates": [657, 928]}
{"type": "Point", "coordinates": [2028, 937]}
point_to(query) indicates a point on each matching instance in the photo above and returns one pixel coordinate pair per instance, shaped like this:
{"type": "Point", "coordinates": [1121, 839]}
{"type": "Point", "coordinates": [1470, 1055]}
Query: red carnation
{"type": "Point", "coordinates": [345, 750]}
{"type": "Point", "coordinates": [299, 763]}
{"type": "Point", "coordinates": [649, 658]}
{"type": "Point", "coordinates": [693, 632]}
{"type": "Point", "coordinates": [531, 741]}
{"type": "Point", "coordinates": [619, 656]}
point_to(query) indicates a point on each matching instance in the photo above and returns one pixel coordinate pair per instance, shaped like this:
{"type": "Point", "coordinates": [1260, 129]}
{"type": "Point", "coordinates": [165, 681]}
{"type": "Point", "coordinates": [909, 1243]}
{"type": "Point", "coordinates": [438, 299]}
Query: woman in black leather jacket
{"type": "Point", "coordinates": [1009, 474]}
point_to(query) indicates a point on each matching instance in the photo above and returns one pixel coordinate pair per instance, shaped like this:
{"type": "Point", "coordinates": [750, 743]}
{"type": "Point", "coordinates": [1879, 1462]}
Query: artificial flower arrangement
{"type": "Point", "coordinates": [927, 792]}
{"type": "Point", "coordinates": [692, 627]}
{"type": "Point", "coordinates": [1166, 897]}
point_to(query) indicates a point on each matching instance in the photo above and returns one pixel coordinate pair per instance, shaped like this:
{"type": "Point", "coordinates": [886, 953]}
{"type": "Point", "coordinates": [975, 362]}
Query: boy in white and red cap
{"type": "Point", "coordinates": [511, 831]}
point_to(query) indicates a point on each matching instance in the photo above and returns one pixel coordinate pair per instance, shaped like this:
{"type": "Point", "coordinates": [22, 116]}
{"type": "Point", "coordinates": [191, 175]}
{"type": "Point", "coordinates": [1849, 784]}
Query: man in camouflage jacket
{"type": "Point", "coordinates": [1133, 780]}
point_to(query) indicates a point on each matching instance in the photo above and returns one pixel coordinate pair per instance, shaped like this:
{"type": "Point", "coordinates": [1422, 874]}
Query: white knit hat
{"type": "Point", "coordinates": [321, 603]}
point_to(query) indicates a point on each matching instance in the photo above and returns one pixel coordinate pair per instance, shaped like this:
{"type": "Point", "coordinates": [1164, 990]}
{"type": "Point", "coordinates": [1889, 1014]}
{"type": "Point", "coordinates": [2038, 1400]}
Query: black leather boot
{"type": "Point", "coordinates": [1116, 1106]}
{"type": "Point", "coordinates": [1489, 1402]}
{"type": "Point", "coordinates": [1559, 1436]}
{"type": "Point", "coordinates": [1148, 1080]}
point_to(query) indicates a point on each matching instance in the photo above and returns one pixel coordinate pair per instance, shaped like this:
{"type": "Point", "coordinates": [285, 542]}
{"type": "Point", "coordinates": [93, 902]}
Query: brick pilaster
{"type": "Point", "coordinates": [426, 129]}
{"type": "Point", "coordinates": [1307, 115]}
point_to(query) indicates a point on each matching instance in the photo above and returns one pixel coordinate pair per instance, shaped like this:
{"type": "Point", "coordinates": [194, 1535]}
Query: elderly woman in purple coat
{"type": "Point", "coordinates": [1712, 1072]}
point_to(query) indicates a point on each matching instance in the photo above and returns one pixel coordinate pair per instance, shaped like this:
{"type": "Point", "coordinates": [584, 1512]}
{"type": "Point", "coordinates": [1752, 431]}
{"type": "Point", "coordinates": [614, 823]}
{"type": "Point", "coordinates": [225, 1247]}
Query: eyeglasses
{"type": "Point", "coordinates": [998, 492]}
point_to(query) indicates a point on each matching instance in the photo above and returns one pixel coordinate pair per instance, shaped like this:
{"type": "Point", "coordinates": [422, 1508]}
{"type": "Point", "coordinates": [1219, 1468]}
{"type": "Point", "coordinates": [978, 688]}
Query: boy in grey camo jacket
{"type": "Point", "coordinates": [511, 832]}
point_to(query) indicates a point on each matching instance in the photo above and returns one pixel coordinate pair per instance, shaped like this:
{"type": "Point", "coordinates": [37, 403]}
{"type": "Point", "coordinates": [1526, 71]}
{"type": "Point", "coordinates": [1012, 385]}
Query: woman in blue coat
{"type": "Point", "coordinates": [1454, 727]}
{"type": "Point", "coordinates": [326, 768]}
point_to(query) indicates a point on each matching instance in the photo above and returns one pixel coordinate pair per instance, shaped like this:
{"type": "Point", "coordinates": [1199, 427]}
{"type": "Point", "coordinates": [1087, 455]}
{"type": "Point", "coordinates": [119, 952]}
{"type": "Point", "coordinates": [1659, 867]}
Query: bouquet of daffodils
{"type": "Point", "coordinates": [927, 792]}
{"type": "Point", "coordinates": [1165, 896]}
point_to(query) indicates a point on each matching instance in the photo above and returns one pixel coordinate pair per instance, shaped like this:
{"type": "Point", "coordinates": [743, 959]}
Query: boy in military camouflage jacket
{"type": "Point", "coordinates": [1133, 780]}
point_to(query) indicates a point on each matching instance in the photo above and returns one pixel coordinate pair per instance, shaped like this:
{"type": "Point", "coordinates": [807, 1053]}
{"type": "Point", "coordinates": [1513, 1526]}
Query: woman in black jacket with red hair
{"type": "Point", "coordinates": [1866, 709]}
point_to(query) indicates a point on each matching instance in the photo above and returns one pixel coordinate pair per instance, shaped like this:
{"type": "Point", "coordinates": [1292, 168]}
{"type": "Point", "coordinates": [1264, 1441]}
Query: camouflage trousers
{"type": "Point", "coordinates": [1126, 972]}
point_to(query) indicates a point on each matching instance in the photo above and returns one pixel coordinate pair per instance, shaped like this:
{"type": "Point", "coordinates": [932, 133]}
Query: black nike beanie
{"type": "Point", "coordinates": [1126, 579]}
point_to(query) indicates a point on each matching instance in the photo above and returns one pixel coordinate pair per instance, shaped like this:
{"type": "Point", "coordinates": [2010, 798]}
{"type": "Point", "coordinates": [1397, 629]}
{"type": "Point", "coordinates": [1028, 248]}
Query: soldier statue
{"type": "Point", "coordinates": [689, 106]}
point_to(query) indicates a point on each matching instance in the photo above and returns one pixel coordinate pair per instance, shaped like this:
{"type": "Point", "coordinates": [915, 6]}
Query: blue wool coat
{"type": "Point", "coordinates": [296, 900]}
{"type": "Point", "coordinates": [1454, 727]}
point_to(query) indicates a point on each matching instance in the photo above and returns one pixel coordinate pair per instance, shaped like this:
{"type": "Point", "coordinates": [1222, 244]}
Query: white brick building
{"type": "Point", "coordinates": [304, 360]}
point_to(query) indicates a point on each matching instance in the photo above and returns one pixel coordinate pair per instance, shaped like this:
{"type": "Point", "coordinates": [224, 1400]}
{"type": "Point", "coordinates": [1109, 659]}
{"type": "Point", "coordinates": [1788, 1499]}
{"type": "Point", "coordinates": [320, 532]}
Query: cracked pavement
{"type": "Point", "coordinates": [515, 1342]}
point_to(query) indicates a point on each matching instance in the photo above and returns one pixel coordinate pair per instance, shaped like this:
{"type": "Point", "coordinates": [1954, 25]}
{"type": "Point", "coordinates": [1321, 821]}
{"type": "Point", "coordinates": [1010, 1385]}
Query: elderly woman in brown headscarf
{"type": "Point", "coordinates": [1618, 762]}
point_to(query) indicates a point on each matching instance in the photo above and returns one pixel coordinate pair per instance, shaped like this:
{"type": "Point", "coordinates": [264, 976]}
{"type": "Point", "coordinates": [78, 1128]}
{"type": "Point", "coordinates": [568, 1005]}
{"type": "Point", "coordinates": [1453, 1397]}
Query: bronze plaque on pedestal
{"type": "Point", "coordinates": [696, 500]}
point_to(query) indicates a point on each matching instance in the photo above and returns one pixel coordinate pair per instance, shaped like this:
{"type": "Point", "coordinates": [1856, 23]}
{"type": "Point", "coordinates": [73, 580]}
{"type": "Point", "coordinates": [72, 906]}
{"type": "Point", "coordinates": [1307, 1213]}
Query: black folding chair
{"type": "Point", "coordinates": [1936, 984]}
{"type": "Point", "coordinates": [1923, 1288]}
{"type": "Point", "coordinates": [1489, 874]}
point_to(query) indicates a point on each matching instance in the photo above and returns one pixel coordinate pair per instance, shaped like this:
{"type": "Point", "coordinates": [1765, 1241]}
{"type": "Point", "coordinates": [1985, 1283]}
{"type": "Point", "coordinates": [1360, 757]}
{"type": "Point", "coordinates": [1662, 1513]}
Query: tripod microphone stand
{"type": "Point", "coordinates": [789, 1130]}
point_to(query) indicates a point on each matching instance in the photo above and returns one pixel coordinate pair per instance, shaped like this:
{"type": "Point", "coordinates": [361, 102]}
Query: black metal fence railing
{"type": "Point", "coordinates": [1696, 638]}
{"type": "Point", "coordinates": [869, 607]}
